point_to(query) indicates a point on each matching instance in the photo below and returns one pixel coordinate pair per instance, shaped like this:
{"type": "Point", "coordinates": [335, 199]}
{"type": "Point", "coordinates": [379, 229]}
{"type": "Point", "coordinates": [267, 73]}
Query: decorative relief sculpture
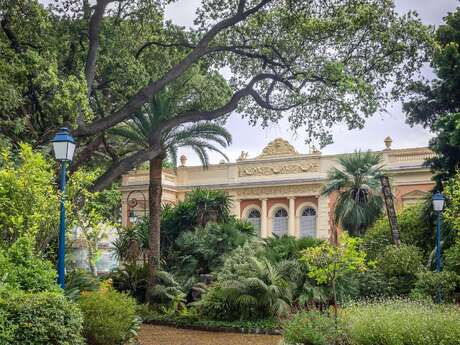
{"type": "Point", "coordinates": [278, 169]}
{"type": "Point", "coordinates": [278, 147]}
{"type": "Point", "coordinates": [279, 190]}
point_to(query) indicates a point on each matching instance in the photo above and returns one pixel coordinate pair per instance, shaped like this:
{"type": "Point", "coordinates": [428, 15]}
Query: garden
{"type": "Point", "coordinates": [195, 266]}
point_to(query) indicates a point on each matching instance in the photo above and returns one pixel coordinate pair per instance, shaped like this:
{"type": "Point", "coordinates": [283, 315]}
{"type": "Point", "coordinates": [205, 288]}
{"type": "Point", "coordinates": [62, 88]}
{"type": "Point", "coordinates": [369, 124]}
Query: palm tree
{"type": "Point", "coordinates": [357, 183]}
{"type": "Point", "coordinates": [201, 137]}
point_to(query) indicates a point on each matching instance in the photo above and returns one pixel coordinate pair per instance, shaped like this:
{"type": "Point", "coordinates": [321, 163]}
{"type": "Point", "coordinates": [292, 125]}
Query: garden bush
{"type": "Point", "coordinates": [400, 322]}
{"type": "Point", "coordinates": [413, 228]}
{"type": "Point", "coordinates": [288, 247]}
{"type": "Point", "coordinates": [400, 265]}
{"type": "Point", "coordinates": [310, 328]}
{"type": "Point", "coordinates": [39, 318]}
{"type": "Point", "coordinates": [21, 269]}
{"type": "Point", "coordinates": [428, 283]}
{"type": "Point", "coordinates": [109, 317]}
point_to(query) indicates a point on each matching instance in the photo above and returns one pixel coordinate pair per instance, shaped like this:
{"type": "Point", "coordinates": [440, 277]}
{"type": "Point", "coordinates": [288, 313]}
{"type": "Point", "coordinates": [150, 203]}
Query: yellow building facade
{"type": "Point", "coordinates": [279, 191]}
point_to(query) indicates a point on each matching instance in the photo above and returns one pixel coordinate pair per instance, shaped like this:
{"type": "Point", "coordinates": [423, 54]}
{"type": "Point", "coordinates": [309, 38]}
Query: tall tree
{"type": "Point", "coordinates": [357, 183]}
{"type": "Point", "coordinates": [340, 60]}
{"type": "Point", "coordinates": [436, 104]}
{"type": "Point", "coordinates": [200, 137]}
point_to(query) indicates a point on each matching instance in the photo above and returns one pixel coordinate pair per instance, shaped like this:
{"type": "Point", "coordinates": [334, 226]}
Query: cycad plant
{"type": "Point", "coordinates": [140, 133]}
{"type": "Point", "coordinates": [357, 183]}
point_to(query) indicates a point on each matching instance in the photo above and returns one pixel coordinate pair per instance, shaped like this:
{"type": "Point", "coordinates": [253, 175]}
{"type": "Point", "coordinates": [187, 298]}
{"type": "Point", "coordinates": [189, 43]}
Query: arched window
{"type": "Point", "coordinates": [280, 222]}
{"type": "Point", "coordinates": [308, 222]}
{"type": "Point", "coordinates": [254, 219]}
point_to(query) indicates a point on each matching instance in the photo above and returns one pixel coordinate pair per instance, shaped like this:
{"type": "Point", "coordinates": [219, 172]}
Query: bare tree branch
{"type": "Point", "coordinates": [14, 43]}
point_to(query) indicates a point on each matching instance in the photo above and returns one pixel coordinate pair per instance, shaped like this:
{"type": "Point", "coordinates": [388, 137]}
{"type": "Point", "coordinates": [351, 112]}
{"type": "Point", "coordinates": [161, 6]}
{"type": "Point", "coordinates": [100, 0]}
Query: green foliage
{"type": "Point", "coordinates": [310, 328]}
{"type": "Point", "coordinates": [413, 228]}
{"type": "Point", "coordinates": [131, 279]}
{"type": "Point", "coordinates": [452, 257]}
{"type": "Point", "coordinates": [327, 262]}
{"type": "Point", "coordinates": [202, 251]}
{"type": "Point", "coordinates": [38, 318]}
{"type": "Point", "coordinates": [400, 265]}
{"type": "Point", "coordinates": [132, 243]}
{"type": "Point", "coordinates": [78, 281]}
{"type": "Point", "coordinates": [287, 247]}
{"type": "Point", "coordinates": [264, 292]}
{"type": "Point", "coordinates": [21, 268]}
{"type": "Point", "coordinates": [357, 183]}
{"type": "Point", "coordinates": [429, 283]}
{"type": "Point", "coordinates": [436, 104]}
{"type": "Point", "coordinates": [29, 202]}
{"type": "Point", "coordinates": [401, 322]}
{"type": "Point", "coordinates": [109, 317]}
{"type": "Point", "coordinates": [199, 207]}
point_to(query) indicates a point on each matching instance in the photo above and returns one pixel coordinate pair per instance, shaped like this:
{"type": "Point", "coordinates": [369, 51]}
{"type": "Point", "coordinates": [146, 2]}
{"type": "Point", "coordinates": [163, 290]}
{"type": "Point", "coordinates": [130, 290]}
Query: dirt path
{"type": "Point", "coordinates": [162, 335]}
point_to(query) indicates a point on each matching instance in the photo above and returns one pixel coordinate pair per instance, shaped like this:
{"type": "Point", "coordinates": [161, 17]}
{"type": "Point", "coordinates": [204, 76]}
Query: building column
{"type": "Point", "coordinates": [236, 208]}
{"type": "Point", "coordinates": [291, 216]}
{"type": "Point", "coordinates": [263, 221]}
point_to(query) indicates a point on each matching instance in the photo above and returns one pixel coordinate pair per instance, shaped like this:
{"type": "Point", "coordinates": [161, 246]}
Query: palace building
{"type": "Point", "coordinates": [279, 191]}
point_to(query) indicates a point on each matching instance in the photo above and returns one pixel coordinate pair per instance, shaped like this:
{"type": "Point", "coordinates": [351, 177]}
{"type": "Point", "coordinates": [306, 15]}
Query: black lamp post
{"type": "Point", "coordinates": [64, 149]}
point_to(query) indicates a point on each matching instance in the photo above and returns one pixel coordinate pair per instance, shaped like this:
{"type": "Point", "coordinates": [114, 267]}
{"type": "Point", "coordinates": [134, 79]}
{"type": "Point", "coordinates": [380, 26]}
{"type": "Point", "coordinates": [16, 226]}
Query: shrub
{"type": "Point", "coordinates": [41, 318]}
{"type": "Point", "coordinates": [21, 269]}
{"type": "Point", "coordinates": [428, 283]}
{"type": "Point", "coordinates": [310, 328]}
{"type": "Point", "coordinates": [109, 317]}
{"type": "Point", "coordinates": [413, 228]}
{"type": "Point", "coordinates": [452, 257]}
{"type": "Point", "coordinates": [400, 323]}
{"type": "Point", "coordinates": [79, 280]}
{"type": "Point", "coordinates": [400, 266]}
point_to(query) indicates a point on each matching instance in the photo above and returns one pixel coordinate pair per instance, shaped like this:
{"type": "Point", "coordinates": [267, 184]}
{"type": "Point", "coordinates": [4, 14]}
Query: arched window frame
{"type": "Point", "coordinates": [274, 222]}
{"type": "Point", "coordinates": [299, 213]}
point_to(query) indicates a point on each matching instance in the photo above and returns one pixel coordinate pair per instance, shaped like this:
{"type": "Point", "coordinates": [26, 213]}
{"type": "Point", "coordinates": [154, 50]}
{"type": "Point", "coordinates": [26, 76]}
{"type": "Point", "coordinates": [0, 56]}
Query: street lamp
{"type": "Point", "coordinates": [132, 217]}
{"type": "Point", "coordinates": [438, 205]}
{"type": "Point", "coordinates": [64, 148]}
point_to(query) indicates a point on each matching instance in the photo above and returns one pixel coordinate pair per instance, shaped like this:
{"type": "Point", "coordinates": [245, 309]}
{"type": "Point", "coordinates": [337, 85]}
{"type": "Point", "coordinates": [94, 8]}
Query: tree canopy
{"type": "Point", "coordinates": [92, 67]}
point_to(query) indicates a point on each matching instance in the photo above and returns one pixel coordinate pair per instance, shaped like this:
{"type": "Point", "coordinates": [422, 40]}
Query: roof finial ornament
{"type": "Point", "coordinates": [183, 160]}
{"type": "Point", "coordinates": [388, 142]}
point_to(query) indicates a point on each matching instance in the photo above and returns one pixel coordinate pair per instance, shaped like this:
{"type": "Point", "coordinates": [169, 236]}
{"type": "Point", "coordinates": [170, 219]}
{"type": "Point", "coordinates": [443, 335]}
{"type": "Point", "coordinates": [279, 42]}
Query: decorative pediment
{"type": "Point", "coordinates": [416, 194]}
{"type": "Point", "coordinates": [278, 147]}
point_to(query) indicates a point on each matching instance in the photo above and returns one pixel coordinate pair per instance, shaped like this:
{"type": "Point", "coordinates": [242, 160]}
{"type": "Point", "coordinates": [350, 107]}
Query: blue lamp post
{"type": "Point", "coordinates": [64, 148]}
{"type": "Point", "coordinates": [438, 205]}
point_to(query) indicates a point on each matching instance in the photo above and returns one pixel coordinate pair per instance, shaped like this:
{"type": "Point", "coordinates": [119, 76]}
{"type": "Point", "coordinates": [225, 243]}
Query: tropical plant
{"type": "Point", "coordinates": [141, 132]}
{"type": "Point", "coordinates": [278, 248]}
{"type": "Point", "coordinates": [263, 292]}
{"type": "Point", "coordinates": [203, 250]}
{"type": "Point", "coordinates": [132, 243]}
{"type": "Point", "coordinates": [210, 205]}
{"type": "Point", "coordinates": [359, 202]}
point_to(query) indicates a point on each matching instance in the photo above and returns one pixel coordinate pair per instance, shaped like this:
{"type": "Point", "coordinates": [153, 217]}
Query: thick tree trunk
{"type": "Point", "coordinates": [155, 191]}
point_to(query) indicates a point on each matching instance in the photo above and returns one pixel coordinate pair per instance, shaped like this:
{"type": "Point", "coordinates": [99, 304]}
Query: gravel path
{"type": "Point", "coordinates": [163, 335]}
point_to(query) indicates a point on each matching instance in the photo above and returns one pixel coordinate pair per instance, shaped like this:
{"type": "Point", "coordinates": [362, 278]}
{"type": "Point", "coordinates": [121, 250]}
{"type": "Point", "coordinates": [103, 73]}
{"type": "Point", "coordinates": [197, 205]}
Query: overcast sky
{"type": "Point", "coordinates": [392, 123]}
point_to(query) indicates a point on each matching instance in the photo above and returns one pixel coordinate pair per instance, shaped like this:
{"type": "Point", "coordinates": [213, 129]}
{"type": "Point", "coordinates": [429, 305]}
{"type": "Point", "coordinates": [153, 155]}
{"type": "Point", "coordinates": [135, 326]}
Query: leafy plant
{"type": "Point", "coordinates": [327, 263]}
{"type": "Point", "coordinates": [429, 283]}
{"type": "Point", "coordinates": [398, 322]}
{"type": "Point", "coordinates": [400, 265]}
{"type": "Point", "coordinates": [109, 317]}
{"type": "Point", "coordinates": [39, 318]}
{"type": "Point", "coordinates": [21, 268]}
{"type": "Point", "coordinates": [310, 328]}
